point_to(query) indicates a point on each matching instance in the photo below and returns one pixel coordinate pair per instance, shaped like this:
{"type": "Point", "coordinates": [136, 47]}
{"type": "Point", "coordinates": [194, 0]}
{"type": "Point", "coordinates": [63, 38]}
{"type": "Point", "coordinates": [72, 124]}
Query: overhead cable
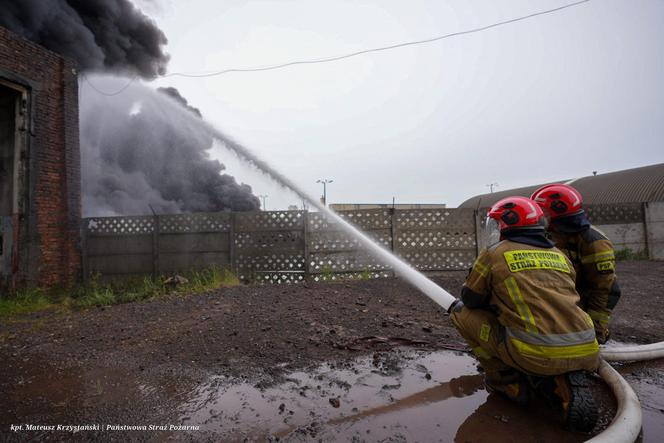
{"type": "Point", "coordinates": [383, 48]}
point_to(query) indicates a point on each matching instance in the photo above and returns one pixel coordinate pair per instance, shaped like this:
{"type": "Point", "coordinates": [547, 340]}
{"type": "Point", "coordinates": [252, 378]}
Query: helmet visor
{"type": "Point", "coordinates": [491, 232]}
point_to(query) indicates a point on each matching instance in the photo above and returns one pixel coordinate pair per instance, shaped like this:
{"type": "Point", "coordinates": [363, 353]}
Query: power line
{"type": "Point", "coordinates": [109, 94]}
{"type": "Point", "coordinates": [383, 48]}
{"type": "Point", "coordinates": [345, 56]}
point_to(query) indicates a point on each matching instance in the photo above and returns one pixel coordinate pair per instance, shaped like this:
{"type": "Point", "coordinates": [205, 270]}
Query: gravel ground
{"type": "Point", "coordinates": [136, 363]}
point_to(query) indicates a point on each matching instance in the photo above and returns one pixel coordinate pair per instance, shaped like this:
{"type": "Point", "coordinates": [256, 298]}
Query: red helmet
{"type": "Point", "coordinates": [558, 200]}
{"type": "Point", "coordinates": [516, 212]}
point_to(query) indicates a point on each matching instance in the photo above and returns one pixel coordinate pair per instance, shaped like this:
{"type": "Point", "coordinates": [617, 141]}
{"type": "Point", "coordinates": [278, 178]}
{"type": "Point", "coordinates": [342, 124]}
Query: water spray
{"type": "Point", "coordinates": [401, 268]}
{"type": "Point", "coordinates": [627, 423]}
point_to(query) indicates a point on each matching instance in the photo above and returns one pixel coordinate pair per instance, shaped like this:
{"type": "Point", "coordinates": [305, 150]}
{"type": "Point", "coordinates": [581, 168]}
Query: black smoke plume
{"type": "Point", "coordinates": [175, 95]}
{"type": "Point", "coordinates": [101, 35]}
{"type": "Point", "coordinates": [142, 151]}
{"type": "Point", "coordinates": [135, 155]}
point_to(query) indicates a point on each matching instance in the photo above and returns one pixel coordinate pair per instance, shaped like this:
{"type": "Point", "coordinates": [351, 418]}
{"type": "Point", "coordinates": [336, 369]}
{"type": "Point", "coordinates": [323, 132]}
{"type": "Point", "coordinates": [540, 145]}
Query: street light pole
{"type": "Point", "coordinates": [324, 181]}
{"type": "Point", "coordinates": [263, 197]}
{"type": "Point", "coordinates": [491, 186]}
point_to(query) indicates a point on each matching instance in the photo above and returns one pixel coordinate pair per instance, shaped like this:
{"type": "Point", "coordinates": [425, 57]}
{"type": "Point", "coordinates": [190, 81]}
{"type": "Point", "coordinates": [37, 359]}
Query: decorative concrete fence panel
{"type": "Point", "coordinates": [269, 246]}
{"type": "Point", "coordinates": [622, 223]}
{"type": "Point", "coordinates": [292, 246]}
{"type": "Point", "coordinates": [118, 247]}
{"type": "Point", "coordinates": [436, 239]}
{"type": "Point", "coordinates": [654, 213]}
{"type": "Point", "coordinates": [192, 241]}
{"type": "Point", "coordinates": [333, 253]}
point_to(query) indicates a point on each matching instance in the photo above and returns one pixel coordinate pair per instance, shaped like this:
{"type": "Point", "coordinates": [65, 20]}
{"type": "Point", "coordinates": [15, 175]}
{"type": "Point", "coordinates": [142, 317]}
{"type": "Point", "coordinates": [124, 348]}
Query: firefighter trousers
{"type": "Point", "coordinates": [482, 331]}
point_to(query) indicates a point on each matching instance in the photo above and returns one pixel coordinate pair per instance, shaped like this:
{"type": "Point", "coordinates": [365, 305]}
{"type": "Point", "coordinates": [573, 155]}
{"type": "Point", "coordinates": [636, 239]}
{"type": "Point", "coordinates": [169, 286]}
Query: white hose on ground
{"type": "Point", "coordinates": [626, 425]}
{"type": "Point", "coordinates": [633, 353]}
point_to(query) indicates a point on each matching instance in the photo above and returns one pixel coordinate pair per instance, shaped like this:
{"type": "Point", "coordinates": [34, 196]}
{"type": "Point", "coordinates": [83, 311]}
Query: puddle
{"type": "Point", "coordinates": [647, 380]}
{"type": "Point", "coordinates": [402, 395]}
{"type": "Point", "coordinates": [652, 406]}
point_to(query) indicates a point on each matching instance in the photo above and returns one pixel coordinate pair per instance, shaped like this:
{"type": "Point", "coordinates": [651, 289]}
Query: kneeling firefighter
{"type": "Point", "coordinates": [587, 247]}
{"type": "Point", "coordinates": [519, 312]}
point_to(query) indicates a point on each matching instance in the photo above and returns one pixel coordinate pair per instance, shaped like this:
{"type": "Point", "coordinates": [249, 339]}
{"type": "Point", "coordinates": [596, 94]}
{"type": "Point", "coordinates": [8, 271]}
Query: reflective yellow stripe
{"type": "Point", "coordinates": [481, 353]}
{"type": "Point", "coordinates": [485, 330]}
{"type": "Point", "coordinates": [526, 259]}
{"type": "Point", "coordinates": [600, 256]}
{"type": "Point", "coordinates": [521, 306]}
{"type": "Point", "coordinates": [481, 268]}
{"type": "Point", "coordinates": [599, 317]}
{"type": "Point", "coordinates": [574, 351]}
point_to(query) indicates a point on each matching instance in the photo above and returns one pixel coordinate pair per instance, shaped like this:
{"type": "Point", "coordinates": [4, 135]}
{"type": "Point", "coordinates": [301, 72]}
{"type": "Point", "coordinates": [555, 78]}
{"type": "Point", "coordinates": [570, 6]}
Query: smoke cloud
{"type": "Point", "coordinates": [142, 152]}
{"type": "Point", "coordinates": [175, 95]}
{"type": "Point", "coordinates": [101, 35]}
{"type": "Point", "coordinates": [137, 150]}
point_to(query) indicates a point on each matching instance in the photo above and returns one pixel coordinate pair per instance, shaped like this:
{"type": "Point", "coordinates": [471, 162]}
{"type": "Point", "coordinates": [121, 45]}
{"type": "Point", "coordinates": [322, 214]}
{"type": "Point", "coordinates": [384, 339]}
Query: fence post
{"type": "Point", "coordinates": [84, 250]}
{"type": "Point", "coordinates": [392, 220]}
{"type": "Point", "coordinates": [231, 246]}
{"type": "Point", "coordinates": [644, 218]}
{"type": "Point", "coordinates": [305, 235]}
{"type": "Point", "coordinates": [155, 246]}
{"type": "Point", "coordinates": [393, 234]}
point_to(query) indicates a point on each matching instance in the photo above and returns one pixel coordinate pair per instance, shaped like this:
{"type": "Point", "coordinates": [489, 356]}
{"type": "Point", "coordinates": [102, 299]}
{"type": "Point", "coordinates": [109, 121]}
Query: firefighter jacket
{"type": "Point", "coordinates": [531, 290]}
{"type": "Point", "coordinates": [594, 260]}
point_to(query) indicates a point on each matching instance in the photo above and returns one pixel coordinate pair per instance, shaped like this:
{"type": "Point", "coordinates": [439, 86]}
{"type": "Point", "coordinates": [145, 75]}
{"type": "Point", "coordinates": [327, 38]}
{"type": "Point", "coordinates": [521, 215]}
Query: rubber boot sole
{"type": "Point", "coordinates": [579, 407]}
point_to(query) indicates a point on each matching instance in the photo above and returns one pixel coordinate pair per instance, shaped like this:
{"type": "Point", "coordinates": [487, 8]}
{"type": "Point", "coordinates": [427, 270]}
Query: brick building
{"type": "Point", "coordinates": [40, 197]}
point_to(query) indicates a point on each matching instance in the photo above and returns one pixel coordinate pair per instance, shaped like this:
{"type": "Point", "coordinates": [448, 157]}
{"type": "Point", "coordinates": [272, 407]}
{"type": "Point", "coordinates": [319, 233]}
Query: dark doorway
{"type": "Point", "coordinates": [9, 151]}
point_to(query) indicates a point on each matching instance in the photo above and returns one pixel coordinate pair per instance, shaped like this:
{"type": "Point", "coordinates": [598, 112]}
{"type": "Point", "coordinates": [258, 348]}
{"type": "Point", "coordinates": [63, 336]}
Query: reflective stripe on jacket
{"type": "Point", "coordinates": [532, 291]}
{"type": "Point", "coordinates": [594, 260]}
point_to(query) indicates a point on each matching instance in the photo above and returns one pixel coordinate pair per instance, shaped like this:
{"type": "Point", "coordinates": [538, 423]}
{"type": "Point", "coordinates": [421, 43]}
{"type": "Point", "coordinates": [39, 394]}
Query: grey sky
{"type": "Point", "coordinates": [554, 97]}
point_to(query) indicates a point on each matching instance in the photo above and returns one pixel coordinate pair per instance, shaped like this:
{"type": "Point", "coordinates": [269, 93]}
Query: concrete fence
{"type": "Point", "coordinates": [636, 229]}
{"type": "Point", "coordinates": [291, 246]}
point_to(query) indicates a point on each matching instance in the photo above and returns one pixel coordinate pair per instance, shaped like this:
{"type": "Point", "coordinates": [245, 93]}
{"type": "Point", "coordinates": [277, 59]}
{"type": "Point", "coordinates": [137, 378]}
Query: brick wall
{"type": "Point", "coordinates": [48, 252]}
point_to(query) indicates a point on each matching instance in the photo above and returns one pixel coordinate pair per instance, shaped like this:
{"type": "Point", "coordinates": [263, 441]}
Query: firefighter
{"type": "Point", "coordinates": [587, 247]}
{"type": "Point", "coordinates": [519, 312]}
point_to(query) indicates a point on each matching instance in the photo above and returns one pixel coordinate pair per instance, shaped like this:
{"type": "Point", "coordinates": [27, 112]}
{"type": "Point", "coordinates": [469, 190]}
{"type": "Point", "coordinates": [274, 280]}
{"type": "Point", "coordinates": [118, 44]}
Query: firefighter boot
{"type": "Point", "coordinates": [509, 383]}
{"type": "Point", "coordinates": [577, 402]}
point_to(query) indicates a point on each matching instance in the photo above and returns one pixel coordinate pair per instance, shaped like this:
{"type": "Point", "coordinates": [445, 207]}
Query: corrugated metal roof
{"type": "Point", "coordinates": [645, 184]}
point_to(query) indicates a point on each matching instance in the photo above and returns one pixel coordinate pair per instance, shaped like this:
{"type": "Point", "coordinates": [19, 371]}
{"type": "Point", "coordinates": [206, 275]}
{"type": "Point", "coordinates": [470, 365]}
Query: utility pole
{"type": "Point", "coordinates": [324, 181]}
{"type": "Point", "coordinates": [491, 186]}
{"type": "Point", "coordinates": [263, 197]}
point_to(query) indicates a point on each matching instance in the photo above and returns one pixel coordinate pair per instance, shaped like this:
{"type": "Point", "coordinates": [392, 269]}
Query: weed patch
{"type": "Point", "coordinates": [95, 293]}
{"type": "Point", "coordinates": [27, 301]}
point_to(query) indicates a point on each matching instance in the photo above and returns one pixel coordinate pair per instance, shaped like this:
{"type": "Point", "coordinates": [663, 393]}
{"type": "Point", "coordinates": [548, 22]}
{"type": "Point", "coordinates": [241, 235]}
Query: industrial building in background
{"type": "Point", "coordinates": [627, 205]}
{"type": "Point", "coordinates": [637, 185]}
{"type": "Point", "coordinates": [355, 206]}
{"type": "Point", "coordinates": [40, 191]}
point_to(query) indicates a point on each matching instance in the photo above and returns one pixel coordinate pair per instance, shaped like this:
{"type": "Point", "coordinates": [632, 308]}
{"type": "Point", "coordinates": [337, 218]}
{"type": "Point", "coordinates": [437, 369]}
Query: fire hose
{"type": "Point", "coordinates": [625, 426]}
{"type": "Point", "coordinates": [627, 423]}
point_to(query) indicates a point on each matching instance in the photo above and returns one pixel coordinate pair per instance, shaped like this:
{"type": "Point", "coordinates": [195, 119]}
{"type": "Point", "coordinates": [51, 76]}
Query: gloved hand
{"type": "Point", "coordinates": [456, 306]}
{"type": "Point", "coordinates": [602, 335]}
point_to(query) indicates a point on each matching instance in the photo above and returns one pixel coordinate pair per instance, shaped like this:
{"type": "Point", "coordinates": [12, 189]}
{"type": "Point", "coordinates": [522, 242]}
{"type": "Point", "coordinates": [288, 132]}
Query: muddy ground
{"type": "Point", "coordinates": [296, 363]}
